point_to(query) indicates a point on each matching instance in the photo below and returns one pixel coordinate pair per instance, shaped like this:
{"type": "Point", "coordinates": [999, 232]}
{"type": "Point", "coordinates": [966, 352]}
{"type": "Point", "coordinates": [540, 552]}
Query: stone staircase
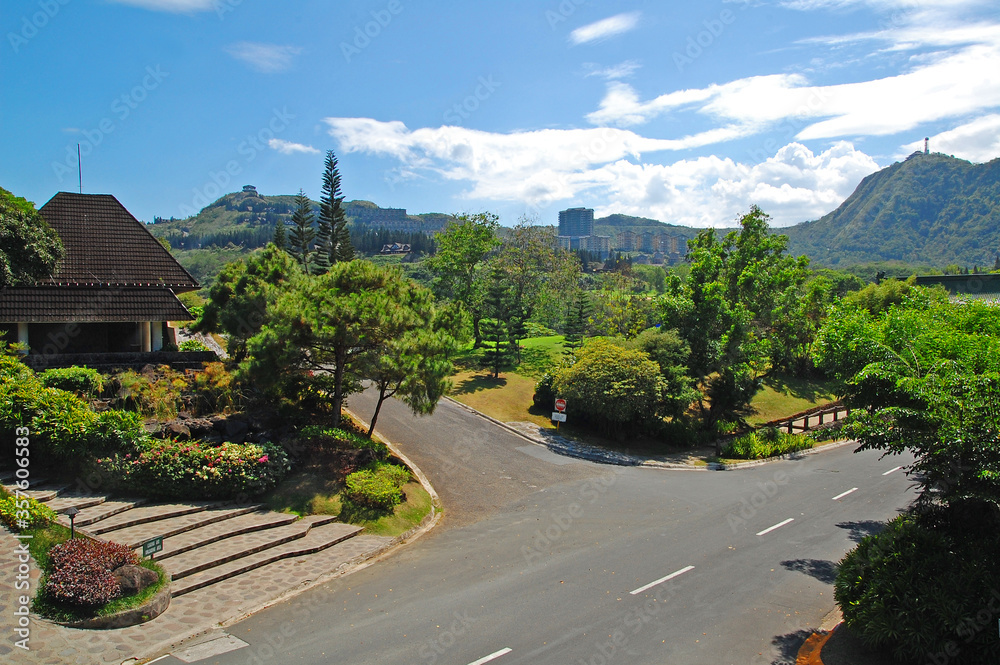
{"type": "Point", "coordinates": [203, 542]}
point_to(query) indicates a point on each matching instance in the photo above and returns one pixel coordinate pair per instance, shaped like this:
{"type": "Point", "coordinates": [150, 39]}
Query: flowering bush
{"type": "Point", "coordinates": [172, 469]}
{"type": "Point", "coordinates": [81, 571]}
{"type": "Point", "coordinates": [33, 513]}
{"type": "Point", "coordinates": [335, 437]}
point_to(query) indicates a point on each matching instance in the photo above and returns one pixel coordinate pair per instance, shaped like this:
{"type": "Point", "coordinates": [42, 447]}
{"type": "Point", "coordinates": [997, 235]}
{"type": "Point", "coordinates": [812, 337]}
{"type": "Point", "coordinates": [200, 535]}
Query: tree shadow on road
{"type": "Point", "coordinates": [820, 569]}
{"type": "Point", "coordinates": [858, 530]}
{"type": "Point", "coordinates": [788, 646]}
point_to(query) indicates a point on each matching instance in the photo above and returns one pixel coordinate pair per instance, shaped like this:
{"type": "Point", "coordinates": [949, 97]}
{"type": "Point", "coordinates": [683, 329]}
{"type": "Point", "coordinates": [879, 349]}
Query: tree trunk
{"type": "Point", "coordinates": [338, 387]}
{"type": "Point", "coordinates": [378, 407]}
{"type": "Point", "coordinates": [477, 334]}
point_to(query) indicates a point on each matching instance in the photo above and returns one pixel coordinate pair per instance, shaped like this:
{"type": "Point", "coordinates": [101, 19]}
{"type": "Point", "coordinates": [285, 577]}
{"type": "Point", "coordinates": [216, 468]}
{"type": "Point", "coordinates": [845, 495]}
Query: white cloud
{"type": "Point", "coordinates": [289, 148]}
{"type": "Point", "coordinates": [939, 87]}
{"type": "Point", "coordinates": [622, 70]}
{"type": "Point", "coordinates": [976, 141]}
{"type": "Point", "coordinates": [265, 58]}
{"type": "Point", "coordinates": [608, 165]}
{"type": "Point", "coordinates": [177, 6]}
{"type": "Point", "coordinates": [614, 25]}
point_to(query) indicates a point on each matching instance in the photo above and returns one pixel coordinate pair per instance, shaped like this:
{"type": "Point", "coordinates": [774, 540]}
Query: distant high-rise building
{"type": "Point", "coordinates": [576, 222]}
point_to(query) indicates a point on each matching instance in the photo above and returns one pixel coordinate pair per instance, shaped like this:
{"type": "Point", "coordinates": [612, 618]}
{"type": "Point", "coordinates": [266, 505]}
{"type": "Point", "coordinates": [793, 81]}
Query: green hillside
{"type": "Point", "coordinates": [240, 222]}
{"type": "Point", "coordinates": [930, 209]}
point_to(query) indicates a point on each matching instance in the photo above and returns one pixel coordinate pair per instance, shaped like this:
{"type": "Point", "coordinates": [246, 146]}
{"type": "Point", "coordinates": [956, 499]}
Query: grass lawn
{"type": "Point", "coordinates": [782, 396]}
{"type": "Point", "coordinates": [312, 492]}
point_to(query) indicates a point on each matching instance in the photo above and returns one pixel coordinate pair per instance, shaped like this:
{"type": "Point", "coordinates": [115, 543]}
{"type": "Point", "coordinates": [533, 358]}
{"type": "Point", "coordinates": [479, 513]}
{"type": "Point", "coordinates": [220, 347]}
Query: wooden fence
{"type": "Point", "coordinates": [811, 418]}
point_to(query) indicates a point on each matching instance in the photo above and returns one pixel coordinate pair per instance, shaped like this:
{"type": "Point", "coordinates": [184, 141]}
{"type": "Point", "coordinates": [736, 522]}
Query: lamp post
{"type": "Point", "coordinates": [71, 513]}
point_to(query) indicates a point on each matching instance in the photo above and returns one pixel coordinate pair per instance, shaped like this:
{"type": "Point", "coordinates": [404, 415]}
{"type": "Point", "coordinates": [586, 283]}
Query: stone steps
{"type": "Point", "coordinates": [65, 501]}
{"type": "Point", "coordinates": [150, 512]}
{"type": "Point", "coordinates": [173, 524]}
{"type": "Point", "coordinates": [39, 491]}
{"type": "Point", "coordinates": [103, 511]}
{"type": "Point", "coordinates": [237, 547]}
{"type": "Point", "coordinates": [238, 526]}
{"type": "Point", "coordinates": [319, 537]}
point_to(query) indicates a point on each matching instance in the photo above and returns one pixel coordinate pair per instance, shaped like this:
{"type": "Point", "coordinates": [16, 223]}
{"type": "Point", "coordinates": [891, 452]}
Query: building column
{"type": "Point", "coordinates": [22, 335]}
{"type": "Point", "coordinates": [144, 337]}
{"type": "Point", "coordinates": [156, 328]}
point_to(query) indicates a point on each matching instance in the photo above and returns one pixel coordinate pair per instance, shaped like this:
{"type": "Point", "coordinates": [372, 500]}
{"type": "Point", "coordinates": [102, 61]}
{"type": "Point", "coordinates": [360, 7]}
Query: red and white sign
{"type": "Point", "coordinates": [560, 404]}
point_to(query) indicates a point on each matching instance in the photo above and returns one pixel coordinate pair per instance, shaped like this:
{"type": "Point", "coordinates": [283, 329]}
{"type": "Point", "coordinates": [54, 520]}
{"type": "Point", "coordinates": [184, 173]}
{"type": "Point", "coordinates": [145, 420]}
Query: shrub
{"type": "Point", "coordinates": [119, 430]}
{"type": "Point", "coordinates": [61, 423]}
{"type": "Point", "coordinates": [154, 392]}
{"type": "Point", "coordinates": [171, 469]}
{"type": "Point", "coordinates": [611, 387]}
{"type": "Point", "coordinates": [398, 475]}
{"type": "Point", "coordinates": [545, 394]}
{"type": "Point", "coordinates": [367, 488]}
{"type": "Point", "coordinates": [377, 486]}
{"type": "Point", "coordinates": [24, 513]}
{"type": "Point", "coordinates": [214, 389]}
{"type": "Point", "coordinates": [83, 381]}
{"type": "Point", "coordinates": [192, 345]}
{"type": "Point", "coordinates": [766, 442]}
{"type": "Point", "coordinates": [342, 438]}
{"type": "Point", "coordinates": [923, 589]}
{"type": "Point", "coordinates": [81, 572]}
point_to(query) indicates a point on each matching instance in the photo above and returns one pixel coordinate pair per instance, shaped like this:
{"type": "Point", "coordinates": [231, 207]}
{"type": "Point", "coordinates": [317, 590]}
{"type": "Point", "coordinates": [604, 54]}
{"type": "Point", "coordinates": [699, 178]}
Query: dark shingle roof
{"type": "Point", "coordinates": [57, 304]}
{"type": "Point", "coordinates": [106, 245]}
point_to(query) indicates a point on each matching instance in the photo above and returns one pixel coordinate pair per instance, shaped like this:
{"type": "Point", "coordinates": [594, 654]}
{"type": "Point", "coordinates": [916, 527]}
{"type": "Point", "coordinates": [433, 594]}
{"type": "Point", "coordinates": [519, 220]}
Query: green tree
{"type": "Point", "coordinates": [320, 330]}
{"type": "Point", "coordinates": [302, 235]}
{"type": "Point", "coordinates": [462, 248]}
{"type": "Point", "coordinates": [497, 322]}
{"type": "Point", "coordinates": [725, 310]}
{"type": "Point", "coordinates": [242, 294]}
{"type": "Point", "coordinates": [577, 319]}
{"type": "Point", "coordinates": [280, 238]}
{"type": "Point", "coordinates": [414, 367]}
{"type": "Point", "coordinates": [29, 248]}
{"type": "Point", "coordinates": [334, 238]}
{"type": "Point", "coordinates": [615, 389]}
{"type": "Point", "coordinates": [670, 352]}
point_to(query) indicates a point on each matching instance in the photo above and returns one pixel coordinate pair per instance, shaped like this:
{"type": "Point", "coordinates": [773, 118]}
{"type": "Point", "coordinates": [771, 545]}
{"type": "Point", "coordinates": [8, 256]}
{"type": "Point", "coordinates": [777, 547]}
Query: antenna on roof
{"type": "Point", "coordinates": [79, 166]}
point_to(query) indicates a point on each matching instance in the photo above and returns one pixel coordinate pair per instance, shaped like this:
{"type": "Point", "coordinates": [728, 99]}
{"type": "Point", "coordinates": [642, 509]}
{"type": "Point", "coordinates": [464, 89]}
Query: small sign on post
{"type": "Point", "coordinates": [559, 415]}
{"type": "Point", "coordinates": [152, 546]}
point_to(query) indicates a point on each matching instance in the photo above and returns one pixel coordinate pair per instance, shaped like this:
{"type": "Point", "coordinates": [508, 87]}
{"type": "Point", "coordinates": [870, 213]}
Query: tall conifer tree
{"type": "Point", "coordinates": [335, 236]}
{"type": "Point", "coordinates": [302, 234]}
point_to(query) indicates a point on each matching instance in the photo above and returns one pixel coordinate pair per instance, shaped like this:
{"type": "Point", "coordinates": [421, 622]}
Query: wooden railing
{"type": "Point", "coordinates": [811, 418]}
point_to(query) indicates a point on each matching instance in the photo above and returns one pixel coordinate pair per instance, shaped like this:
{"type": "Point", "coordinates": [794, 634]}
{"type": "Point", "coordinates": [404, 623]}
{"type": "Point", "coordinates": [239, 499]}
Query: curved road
{"type": "Point", "coordinates": [545, 559]}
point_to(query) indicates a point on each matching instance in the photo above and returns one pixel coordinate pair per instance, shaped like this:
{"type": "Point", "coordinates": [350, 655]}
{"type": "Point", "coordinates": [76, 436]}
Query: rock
{"type": "Point", "coordinates": [175, 429]}
{"type": "Point", "coordinates": [236, 430]}
{"type": "Point", "coordinates": [200, 427]}
{"type": "Point", "coordinates": [218, 423]}
{"type": "Point", "coordinates": [134, 579]}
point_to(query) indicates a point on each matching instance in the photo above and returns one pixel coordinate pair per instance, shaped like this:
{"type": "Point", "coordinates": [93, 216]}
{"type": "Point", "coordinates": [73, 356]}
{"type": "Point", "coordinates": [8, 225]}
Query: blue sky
{"type": "Point", "coordinates": [687, 112]}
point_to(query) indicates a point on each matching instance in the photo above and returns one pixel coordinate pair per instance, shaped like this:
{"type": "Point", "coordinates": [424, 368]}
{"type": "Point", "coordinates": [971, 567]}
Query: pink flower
{"type": "Point", "coordinates": [263, 459]}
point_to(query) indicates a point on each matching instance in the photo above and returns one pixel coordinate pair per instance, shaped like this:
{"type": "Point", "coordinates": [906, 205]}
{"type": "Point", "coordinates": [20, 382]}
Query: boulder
{"type": "Point", "coordinates": [236, 430]}
{"type": "Point", "coordinates": [134, 579]}
{"type": "Point", "coordinates": [175, 429]}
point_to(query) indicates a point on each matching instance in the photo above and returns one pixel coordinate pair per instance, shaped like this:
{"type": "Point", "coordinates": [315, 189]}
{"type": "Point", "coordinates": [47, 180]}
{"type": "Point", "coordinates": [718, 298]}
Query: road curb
{"type": "Point", "coordinates": [589, 453]}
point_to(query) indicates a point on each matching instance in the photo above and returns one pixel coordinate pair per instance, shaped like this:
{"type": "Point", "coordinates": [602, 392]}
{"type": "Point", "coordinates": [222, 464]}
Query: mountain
{"type": "Point", "coordinates": [239, 222]}
{"type": "Point", "coordinates": [616, 223]}
{"type": "Point", "coordinates": [930, 209]}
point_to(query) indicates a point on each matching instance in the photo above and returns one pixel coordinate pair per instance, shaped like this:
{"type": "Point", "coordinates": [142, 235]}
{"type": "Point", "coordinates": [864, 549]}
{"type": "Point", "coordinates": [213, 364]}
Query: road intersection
{"type": "Point", "coordinates": [541, 559]}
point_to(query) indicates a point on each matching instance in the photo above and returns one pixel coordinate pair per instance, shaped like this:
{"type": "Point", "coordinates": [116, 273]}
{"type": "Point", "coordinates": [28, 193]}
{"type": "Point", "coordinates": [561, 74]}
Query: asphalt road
{"type": "Point", "coordinates": [544, 559]}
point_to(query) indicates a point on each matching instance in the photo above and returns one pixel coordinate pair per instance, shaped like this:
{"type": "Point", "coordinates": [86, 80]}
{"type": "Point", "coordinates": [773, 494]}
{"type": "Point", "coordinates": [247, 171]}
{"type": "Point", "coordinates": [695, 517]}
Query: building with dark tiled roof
{"type": "Point", "coordinates": [114, 290]}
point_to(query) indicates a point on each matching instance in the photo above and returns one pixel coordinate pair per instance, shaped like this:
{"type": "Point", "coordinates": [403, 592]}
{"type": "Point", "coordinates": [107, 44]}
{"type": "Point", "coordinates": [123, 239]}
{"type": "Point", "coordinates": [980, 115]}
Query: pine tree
{"type": "Point", "coordinates": [577, 318]}
{"type": "Point", "coordinates": [302, 234]}
{"type": "Point", "coordinates": [336, 237]}
{"type": "Point", "coordinates": [496, 323]}
{"type": "Point", "coordinates": [280, 238]}
{"type": "Point", "coordinates": [996, 264]}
